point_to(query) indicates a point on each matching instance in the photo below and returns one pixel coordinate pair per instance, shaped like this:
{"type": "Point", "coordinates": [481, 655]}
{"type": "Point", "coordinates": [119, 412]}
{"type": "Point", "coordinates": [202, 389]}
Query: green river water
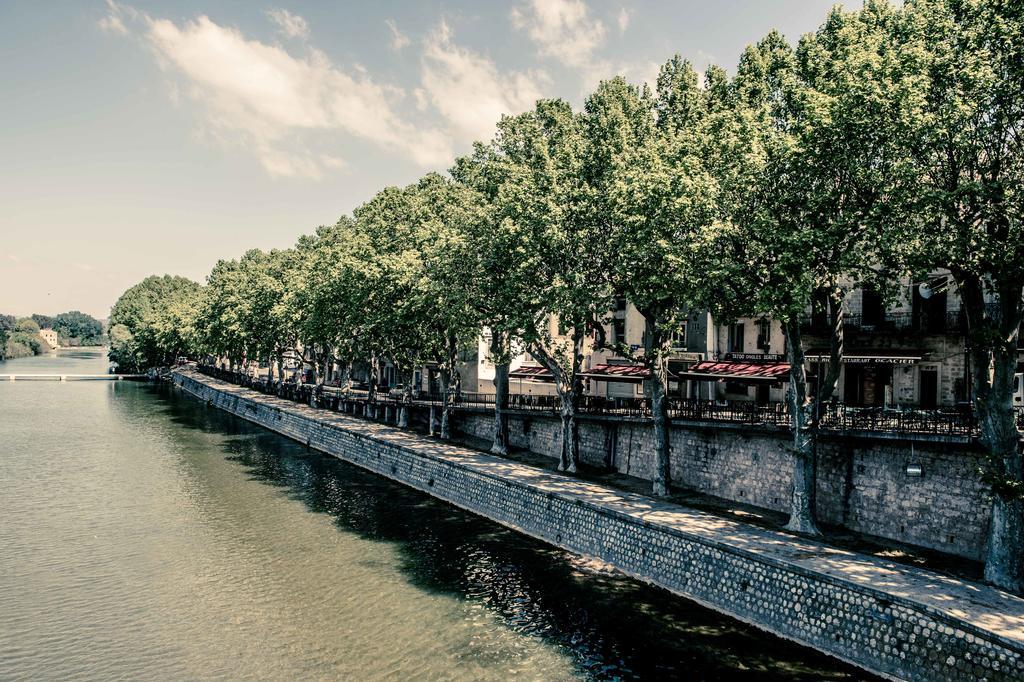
{"type": "Point", "coordinates": [144, 535]}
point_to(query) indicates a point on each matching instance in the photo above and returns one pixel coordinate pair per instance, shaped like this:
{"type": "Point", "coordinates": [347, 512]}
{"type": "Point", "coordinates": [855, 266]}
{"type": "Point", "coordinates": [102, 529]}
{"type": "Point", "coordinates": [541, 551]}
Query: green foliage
{"type": "Point", "coordinates": [887, 141]}
{"type": "Point", "coordinates": [78, 329]}
{"type": "Point", "coordinates": [19, 338]}
{"type": "Point", "coordinates": [141, 318]}
{"type": "Point", "coordinates": [44, 321]}
{"type": "Point", "coordinates": [27, 325]}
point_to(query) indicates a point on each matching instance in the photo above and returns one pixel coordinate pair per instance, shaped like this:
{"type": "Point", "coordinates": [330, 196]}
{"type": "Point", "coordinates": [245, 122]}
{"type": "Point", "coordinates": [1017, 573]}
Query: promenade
{"type": "Point", "coordinates": [897, 621]}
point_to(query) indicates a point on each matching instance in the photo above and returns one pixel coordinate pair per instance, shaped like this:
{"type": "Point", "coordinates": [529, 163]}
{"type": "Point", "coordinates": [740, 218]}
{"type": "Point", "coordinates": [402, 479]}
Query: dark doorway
{"type": "Point", "coordinates": [929, 388]}
{"type": "Point", "coordinates": [864, 385]}
{"type": "Point", "coordinates": [762, 394]}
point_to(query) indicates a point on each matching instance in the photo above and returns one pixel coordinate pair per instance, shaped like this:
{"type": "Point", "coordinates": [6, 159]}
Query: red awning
{"type": "Point", "coordinates": [625, 373]}
{"type": "Point", "coordinates": [744, 372]}
{"type": "Point", "coordinates": [531, 372]}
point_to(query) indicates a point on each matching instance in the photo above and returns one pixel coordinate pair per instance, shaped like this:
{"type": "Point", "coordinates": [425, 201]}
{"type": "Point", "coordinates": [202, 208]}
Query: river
{"type": "Point", "coordinates": [145, 535]}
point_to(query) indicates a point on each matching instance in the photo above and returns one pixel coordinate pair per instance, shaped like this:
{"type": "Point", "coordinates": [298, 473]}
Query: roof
{"type": "Point", "coordinates": [747, 372]}
{"type": "Point", "coordinates": [624, 373]}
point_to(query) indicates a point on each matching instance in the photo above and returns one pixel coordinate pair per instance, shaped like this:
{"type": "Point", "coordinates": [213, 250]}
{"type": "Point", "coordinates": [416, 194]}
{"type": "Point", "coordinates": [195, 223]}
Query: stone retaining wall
{"type": "Point", "coordinates": [862, 483]}
{"type": "Point", "coordinates": [899, 622]}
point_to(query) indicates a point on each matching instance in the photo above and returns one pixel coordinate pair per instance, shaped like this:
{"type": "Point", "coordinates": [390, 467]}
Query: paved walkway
{"type": "Point", "coordinates": [981, 606]}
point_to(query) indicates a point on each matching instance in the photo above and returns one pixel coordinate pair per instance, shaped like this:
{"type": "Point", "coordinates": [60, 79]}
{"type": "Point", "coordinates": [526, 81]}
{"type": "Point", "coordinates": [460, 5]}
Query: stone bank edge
{"type": "Point", "coordinates": [885, 633]}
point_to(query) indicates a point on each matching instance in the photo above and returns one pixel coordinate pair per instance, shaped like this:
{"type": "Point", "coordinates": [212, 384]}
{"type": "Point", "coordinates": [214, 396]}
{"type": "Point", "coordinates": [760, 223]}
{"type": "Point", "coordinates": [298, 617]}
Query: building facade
{"type": "Point", "coordinates": [50, 337]}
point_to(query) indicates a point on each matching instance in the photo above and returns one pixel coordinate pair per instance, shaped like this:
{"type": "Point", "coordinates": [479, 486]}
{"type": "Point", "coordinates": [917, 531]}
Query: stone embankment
{"type": "Point", "coordinates": [897, 621]}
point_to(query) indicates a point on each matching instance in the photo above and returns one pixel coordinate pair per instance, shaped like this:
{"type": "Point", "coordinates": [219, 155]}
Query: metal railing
{"type": "Point", "coordinates": [919, 322]}
{"type": "Point", "coordinates": [835, 417]}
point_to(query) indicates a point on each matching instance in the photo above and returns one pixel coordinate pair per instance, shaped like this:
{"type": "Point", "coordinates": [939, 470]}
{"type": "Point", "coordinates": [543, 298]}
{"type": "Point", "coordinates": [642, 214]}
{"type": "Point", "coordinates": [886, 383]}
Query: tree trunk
{"type": "Point", "coordinates": [280, 371]}
{"type": "Point", "coordinates": [371, 392]}
{"type": "Point", "coordinates": [570, 454]}
{"type": "Point", "coordinates": [568, 386]}
{"type": "Point", "coordinates": [315, 364]}
{"type": "Point", "coordinates": [657, 363]}
{"type": "Point", "coordinates": [446, 385]}
{"type": "Point", "coordinates": [994, 363]}
{"type": "Point", "coordinates": [802, 501]}
{"type": "Point", "coordinates": [346, 377]}
{"type": "Point", "coordinates": [403, 409]}
{"type": "Point", "coordinates": [499, 352]}
{"type": "Point", "coordinates": [450, 381]}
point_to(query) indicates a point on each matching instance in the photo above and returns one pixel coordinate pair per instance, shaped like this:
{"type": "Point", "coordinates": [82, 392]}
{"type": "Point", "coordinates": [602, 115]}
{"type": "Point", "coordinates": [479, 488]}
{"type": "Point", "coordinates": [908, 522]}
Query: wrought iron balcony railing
{"type": "Point", "coordinates": [834, 417]}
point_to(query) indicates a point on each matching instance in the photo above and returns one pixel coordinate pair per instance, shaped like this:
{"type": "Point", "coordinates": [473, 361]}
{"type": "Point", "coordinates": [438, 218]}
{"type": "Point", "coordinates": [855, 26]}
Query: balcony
{"type": "Point", "coordinates": [902, 322]}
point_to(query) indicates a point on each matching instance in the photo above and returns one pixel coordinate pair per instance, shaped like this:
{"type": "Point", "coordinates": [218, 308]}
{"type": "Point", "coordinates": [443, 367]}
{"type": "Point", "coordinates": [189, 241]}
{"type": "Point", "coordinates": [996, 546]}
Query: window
{"type": "Point", "coordinates": [618, 331]}
{"type": "Point", "coordinates": [562, 328]}
{"type": "Point", "coordinates": [620, 304]}
{"type": "Point", "coordinates": [735, 388]}
{"type": "Point", "coordinates": [764, 335]}
{"type": "Point", "coordinates": [678, 341]}
{"type": "Point", "coordinates": [872, 311]}
{"type": "Point", "coordinates": [736, 338]}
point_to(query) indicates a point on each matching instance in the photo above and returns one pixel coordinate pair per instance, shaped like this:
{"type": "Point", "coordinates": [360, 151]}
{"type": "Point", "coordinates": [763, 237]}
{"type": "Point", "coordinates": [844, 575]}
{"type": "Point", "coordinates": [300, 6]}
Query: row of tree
{"type": "Point", "coordinates": [887, 143]}
{"type": "Point", "coordinates": [20, 337]}
{"type": "Point", "coordinates": [74, 328]}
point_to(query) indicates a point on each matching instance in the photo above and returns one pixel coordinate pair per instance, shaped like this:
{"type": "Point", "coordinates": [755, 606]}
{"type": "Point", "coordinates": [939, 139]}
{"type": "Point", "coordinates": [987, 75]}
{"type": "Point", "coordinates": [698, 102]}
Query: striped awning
{"type": "Point", "coordinates": [625, 373]}
{"type": "Point", "coordinates": [531, 373]}
{"type": "Point", "coordinates": [741, 372]}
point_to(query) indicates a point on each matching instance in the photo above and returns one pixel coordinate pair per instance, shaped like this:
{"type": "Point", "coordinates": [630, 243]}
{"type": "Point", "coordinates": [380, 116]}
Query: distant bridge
{"type": "Point", "coordinates": [73, 377]}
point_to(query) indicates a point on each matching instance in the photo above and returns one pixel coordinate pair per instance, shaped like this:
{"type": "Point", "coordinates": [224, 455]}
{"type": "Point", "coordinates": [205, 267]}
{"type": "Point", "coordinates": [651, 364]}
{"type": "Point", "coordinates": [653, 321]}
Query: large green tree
{"type": "Point", "coordinates": [78, 328]}
{"type": "Point", "coordinates": [221, 318]}
{"type": "Point", "coordinates": [135, 342]}
{"type": "Point", "coordinates": [560, 286]}
{"type": "Point", "coordinates": [492, 251]}
{"type": "Point", "coordinates": [806, 194]}
{"type": "Point", "coordinates": [425, 279]}
{"type": "Point", "coordinates": [661, 195]}
{"type": "Point", "coordinates": [337, 293]}
{"type": "Point", "coordinates": [961, 119]}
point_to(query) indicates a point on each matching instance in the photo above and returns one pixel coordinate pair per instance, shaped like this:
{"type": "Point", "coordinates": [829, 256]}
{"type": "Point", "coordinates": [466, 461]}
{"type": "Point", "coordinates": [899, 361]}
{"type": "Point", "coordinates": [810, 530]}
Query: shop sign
{"type": "Point", "coordinates": [867, 360]}
{"type": "Point", "coordinates": [755, 357]}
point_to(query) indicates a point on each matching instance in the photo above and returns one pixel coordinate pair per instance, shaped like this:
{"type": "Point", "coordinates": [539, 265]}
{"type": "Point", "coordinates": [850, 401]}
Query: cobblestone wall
{"type": "Point", "coordinates": [891, 635]}
{"type": "Point", "coordinates": [863, 484]}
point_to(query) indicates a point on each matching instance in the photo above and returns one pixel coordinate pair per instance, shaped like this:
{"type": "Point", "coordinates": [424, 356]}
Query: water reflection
{"type": "Point", "coordinates": [611, 626]}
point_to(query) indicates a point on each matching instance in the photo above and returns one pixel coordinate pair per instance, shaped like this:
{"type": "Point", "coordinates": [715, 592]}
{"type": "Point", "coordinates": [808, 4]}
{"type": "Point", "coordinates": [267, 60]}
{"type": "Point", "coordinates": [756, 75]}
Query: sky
{"type": "Point", "coordinates": [149, 138]}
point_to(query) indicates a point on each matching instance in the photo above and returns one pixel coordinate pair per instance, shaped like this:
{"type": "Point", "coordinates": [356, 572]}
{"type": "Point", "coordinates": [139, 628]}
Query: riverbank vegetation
{"type": "Point", "coordinates": [890, 142]}
{"type": "Point", "coordinates": [20, 338]}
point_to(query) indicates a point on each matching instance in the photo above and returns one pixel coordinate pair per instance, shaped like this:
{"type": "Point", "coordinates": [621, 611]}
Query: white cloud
{"type": "Point", "coordinates": [467, 88]}
{"type": "Point", "coordinates": [112, 21]}
{"type": "Point", "coordinates": [623, 19]}
{"type": "Point", "coordinates": [113, 24]}
{"type": "Point", "coordinates": [562, 29]}
{"type": "Point", "coordinates": [398, 39]}
{"type": "Point", "coordinates": [292, 25]}
{"type": "Point", "coordinates": [277, 105]}
{"type": "Point", "coordinates": [641, 73]}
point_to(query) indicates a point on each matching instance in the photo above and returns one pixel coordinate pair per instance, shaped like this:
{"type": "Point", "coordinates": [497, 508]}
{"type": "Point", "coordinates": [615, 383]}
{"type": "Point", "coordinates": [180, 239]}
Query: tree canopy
{"type": "Point", "coordinates": [888, 142]}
